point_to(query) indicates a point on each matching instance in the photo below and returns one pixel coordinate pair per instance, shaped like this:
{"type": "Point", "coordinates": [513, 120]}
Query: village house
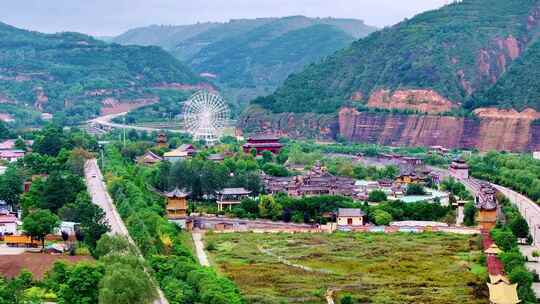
{"type": "Point", "coordinates": [440, 150]}
{"type": "Point", "coordinates": [536, 155]}
{"type": "Point", "coordinates": [8, 224]}
{"type": "Point", "coordinates": [9, 144]}
{"type": "Point", "coordinates": [263, 143]}
{"type": "Point", "coordinates": [459, 169]}
{"type": "Point", "coordinates": [181, 153]}
{"type": "Point", "coordinates": [149, 158]}
{"type": "Point", "coordinates": [229, 197]}
{"type": "Point", "coordinates": [350, 217]}
{"type": "Point", "coordinates": [11, 155]}
{"type": "Point", "coordinates": [486, 203]}
{"type": "Point", "coordinates": [177, 204]}
{"type": "Point", "coordinates": [216, 157]}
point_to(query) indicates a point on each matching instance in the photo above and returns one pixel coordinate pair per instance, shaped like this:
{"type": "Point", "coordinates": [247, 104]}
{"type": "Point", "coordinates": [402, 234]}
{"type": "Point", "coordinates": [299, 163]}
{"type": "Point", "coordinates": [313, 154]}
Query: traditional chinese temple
{"type": "Point", "coordinates": [263, 143]}
{"type": "Point", "coordinates": [486, 203]}
{"type": "Point", "coordinates": [177, 204]}
{"type": "Point", "coordinates": [316, 182]}
{"type": "Point", "coordinates": [459, 169]}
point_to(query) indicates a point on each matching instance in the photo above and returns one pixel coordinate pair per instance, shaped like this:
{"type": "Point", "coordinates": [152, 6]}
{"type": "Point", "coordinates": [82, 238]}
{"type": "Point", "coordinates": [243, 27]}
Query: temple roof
{"type": "Point", "coordinates": [350, 212]}
{"type": "Point", "coordinates": [176, 193]}
{"type": "Point", "coordinates": [234, 191]}
{"type": "Point", "coordinates": [493, 249]}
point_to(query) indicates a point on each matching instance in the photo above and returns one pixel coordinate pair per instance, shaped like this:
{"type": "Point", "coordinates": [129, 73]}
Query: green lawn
{"type": "Point", "coordinates": [373, 268]}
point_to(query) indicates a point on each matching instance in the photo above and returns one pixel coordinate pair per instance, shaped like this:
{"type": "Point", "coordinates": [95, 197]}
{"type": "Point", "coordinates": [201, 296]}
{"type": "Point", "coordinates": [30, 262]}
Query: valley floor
{"type": "Point", "coordinates": [373, 268]}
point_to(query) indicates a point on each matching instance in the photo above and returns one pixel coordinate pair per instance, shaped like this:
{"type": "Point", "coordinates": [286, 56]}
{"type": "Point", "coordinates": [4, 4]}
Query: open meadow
{"type": "Point", "coordinates": [372, 268]}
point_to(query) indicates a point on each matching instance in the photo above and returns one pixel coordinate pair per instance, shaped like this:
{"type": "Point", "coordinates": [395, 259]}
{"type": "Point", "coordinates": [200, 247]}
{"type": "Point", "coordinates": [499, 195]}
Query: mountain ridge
{"type": "Point", "coordinates": [75, 75]}
{"type": "Point", "coordinates": [455, 51]}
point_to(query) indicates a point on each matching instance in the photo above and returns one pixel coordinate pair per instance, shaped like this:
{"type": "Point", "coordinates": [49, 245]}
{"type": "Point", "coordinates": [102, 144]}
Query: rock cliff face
{"type": "Point", "coordinates": [491, 130]}
{"type": "Point", "coordinates": [424, 101]}
{"type": "Point", "coordinates": [294, 125]}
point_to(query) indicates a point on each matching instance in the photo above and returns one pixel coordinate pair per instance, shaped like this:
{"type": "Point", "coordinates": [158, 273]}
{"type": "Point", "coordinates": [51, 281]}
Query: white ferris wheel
{"type": "Point", "coordinates": [205, 116]}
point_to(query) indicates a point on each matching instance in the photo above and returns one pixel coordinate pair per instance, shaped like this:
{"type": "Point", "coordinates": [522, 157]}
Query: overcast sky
{"type": "Point", "coordinates": [112, 17]}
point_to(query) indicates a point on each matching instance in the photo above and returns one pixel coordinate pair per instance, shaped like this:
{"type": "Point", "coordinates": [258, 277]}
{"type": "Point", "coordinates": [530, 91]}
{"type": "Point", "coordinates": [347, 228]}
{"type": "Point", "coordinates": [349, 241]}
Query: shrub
{"type": "Point", "coordinates": [504, 238]}
{"type": "Point", "coordinates": [382, 217]}
{"type": "Point", "coordinates": [377, 196]}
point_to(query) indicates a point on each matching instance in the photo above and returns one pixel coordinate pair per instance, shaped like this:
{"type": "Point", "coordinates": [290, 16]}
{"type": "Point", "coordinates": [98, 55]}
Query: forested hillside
{"type": "Point", "coordinates": [448, 54]}
{"type": "Point", "coordinates": [251, 57]}
{"type": "Point", "coordinates": [72, 75]}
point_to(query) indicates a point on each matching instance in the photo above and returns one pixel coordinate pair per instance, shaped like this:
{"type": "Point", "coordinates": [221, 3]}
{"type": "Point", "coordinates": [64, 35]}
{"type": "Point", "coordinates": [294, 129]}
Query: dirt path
{"type": "Point", "coordinates": [199, 248]}
{"type": "Point", "coordinates": [282, 260]}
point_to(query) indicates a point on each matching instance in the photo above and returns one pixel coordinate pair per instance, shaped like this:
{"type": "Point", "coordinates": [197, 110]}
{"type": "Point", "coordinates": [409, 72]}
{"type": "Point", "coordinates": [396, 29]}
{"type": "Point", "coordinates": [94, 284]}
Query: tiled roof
{"type": "Point", "coordinates": [234, 191]}
{"type": "Point", "coordinates": [6, 219]}
{"type": "Point", "coordinates": [176, 193]}
{"type": "Point", "coordinates": [351, 212]}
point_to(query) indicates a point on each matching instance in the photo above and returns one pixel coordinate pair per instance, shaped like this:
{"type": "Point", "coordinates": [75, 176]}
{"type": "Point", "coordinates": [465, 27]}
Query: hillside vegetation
{"type": "Point", "coordinates": [459, 50]}
{"type": "Point", "coordinates": [251, 57]}
{"type": "Point", "coordinates": [70, 74]}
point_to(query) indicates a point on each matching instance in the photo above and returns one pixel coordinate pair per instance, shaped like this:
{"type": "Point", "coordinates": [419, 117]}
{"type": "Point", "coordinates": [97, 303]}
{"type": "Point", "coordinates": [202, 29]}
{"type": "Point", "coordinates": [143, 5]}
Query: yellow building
{"type": "Point", "coordinates": [177, 204]}
{"type": "Point", "coordinates": [503, 293]}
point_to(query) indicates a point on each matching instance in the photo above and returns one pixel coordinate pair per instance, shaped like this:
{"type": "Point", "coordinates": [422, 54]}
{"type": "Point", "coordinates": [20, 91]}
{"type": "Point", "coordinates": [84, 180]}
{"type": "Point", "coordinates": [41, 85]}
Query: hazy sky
{"type": "Point", "coordinates": [111, 17]}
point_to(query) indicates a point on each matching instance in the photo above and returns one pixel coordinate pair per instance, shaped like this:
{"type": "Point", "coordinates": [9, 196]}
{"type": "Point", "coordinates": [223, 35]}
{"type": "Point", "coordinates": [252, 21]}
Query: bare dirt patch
{"type": "Point", "coordinates": [36, 263]}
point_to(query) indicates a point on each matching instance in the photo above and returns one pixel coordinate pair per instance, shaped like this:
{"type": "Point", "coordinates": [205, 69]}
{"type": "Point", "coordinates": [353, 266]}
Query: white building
{"type": "Point", "coordinates": [536, 155]}
{"type": "Point", "coordinates": [8, 224]}
{"type": "Point", "coordinates": [350, 217]}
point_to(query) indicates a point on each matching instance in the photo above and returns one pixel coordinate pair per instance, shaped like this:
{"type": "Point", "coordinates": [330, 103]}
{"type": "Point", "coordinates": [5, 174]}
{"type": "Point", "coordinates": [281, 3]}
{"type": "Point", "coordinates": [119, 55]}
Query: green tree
{"type": "Point", "coordinates": [347, 300]}
{"type": "Point", "coordinates": [49, 141]}
{"type": "Point", "coordinates": [469, 214]}
{"type": "Point", "coordinates": [415, 189]}
{"type": "Point", "coordinates": [269, 208]}
{"type": "Point", "coordinates": [91, 218]}
{"type": "Point", "coordinates": [124, 284]}
{"type": "Point", "coordinates": [267, 156]}
{"type": "Point", "coordinates": [4, 131]}
{"type": "Point", "coordinates": [519, 227]}
{"type": "Point", "coordinates": [504, 238]}
{"type": "Point", "coordinates": [40, 223]}
{"type": "Point", "coordinates": [382, 217]}
{"type": "Point", "coordinates": [81, 284]}
{"type": "Point", "coordinates": [377, 196]}
{"type": "Point", "coordinates": [11, 186]}
{"type": "Point", "coordinates": [20, 144]}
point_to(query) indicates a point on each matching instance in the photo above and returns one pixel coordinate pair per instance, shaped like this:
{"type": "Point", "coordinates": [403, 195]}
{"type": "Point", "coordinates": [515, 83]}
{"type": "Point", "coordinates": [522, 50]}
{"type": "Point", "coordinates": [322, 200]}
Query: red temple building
{"type": "Point", "coordinates": [263, 143]}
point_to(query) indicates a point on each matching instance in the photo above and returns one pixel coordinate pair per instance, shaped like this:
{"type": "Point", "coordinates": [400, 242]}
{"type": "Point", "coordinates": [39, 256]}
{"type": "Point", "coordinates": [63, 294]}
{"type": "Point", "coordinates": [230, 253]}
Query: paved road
{"type": "Point", "coordinates": [100, 196]}
{"type": "Point", "coordinates": [199, 248]}
{"type": "Point", "coordinates": [528, 209]}
{"type": "Point", "coordinates": [106, 122]}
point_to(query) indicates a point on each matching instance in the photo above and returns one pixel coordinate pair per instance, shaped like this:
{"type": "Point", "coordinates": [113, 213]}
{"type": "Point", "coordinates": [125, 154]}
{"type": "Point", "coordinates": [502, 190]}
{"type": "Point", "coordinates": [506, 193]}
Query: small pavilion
{"type": "Point", "coordinates": [177, 205]}
{"type": "Point", "coordinates": [230, 197]}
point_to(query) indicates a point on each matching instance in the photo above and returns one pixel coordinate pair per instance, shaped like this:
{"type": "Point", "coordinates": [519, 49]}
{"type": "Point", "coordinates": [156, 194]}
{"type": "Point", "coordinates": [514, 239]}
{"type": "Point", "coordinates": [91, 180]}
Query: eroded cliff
{"type": "Point", "coordinates": [506, 130]}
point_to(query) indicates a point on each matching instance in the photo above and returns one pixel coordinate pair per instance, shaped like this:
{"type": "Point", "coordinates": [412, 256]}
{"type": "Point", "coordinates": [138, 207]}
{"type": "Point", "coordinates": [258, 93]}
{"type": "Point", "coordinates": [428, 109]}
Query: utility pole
{"type": "Point", "coordinates": [124, 127]}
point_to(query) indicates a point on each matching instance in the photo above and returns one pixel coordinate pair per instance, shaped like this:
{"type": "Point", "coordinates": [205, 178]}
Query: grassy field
{"type": "Point", "coordinates": [373, 268]}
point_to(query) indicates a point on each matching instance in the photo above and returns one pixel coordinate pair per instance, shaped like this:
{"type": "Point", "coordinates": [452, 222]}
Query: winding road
{"type": "Point", "coordinates": [105, 121]}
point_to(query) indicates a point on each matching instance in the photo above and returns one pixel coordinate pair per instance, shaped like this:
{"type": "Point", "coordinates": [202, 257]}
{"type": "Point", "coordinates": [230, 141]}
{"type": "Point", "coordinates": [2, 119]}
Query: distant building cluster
{"type": "Point", "coordinates": [316, 182]}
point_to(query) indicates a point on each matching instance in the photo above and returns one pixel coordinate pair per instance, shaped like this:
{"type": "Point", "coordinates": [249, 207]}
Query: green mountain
{"type": "Point", "coordinates": [471, 53]}
{"type": "Point", "coordinates": [251, 57]}
{"type": "Point", "coordinates": [71, 74]}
